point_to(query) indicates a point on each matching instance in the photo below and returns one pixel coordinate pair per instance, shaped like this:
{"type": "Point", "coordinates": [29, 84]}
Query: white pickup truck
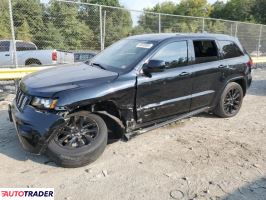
{"type": "Point", "coordinates": [28, 54]}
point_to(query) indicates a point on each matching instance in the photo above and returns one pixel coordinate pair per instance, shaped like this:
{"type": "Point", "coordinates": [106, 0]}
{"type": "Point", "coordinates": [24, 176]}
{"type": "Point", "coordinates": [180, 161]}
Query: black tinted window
{"type": "Point", "coordinates": [4, 46]}
{"type": "Point", "coordinates": [229, 49]}
{"type": "Point", "coordinates": [24, 46]}
{"type": "Point", "coordinates": [205, 51]}
{"type": "Point", "coordinates": [174, 54]}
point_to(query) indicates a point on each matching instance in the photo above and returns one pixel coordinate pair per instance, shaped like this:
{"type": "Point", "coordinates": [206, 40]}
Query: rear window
{"type": "Point", "coordinates": [230, 50]}
{"type": "Point", "coordinates": [205, 51]}
{"type": "Point", "coordinates": [24, 46]}
{"type": "Point", "coordinates": [4, 46]}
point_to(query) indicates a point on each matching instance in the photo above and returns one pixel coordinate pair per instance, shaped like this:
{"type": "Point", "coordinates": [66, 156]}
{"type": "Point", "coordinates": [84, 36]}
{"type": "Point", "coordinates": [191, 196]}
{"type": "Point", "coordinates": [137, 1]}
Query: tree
{"type": "Point", "coordinates": [258, 9]}
{"type": "Point", "coordinates": [176, 23]}
{"type": "Point", "coordinates": [118, 25]}
{"type": "Point", "coordinates": [197, 8]}
{"type": "Point", "coordinates": [238, 10]}
{"type": "Point", "coordinates": [76, 34]}
{"type": "Point", "coordinates": [218, 10]}
{"type": "Point", "coordinates": [30, 11]}
{"type": "Point", "coordinates": [51, 38]}
{"type": "Point", "coordinates": [23, 32]}
{"type": "Point", "coordinates": [5, 32]}
{"type": "Point", "coordinates": [118, 22]}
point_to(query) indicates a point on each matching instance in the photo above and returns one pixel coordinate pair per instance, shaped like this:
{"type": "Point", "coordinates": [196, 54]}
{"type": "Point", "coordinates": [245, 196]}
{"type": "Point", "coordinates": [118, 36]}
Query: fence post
{"type": "Point", "coordinates": [101, 27]}
{"type": "Point", "coordinates": [236, 29]}
{"type": "Point", "coordinates": [259, 43]}
{"type": "Point", "coordinates": [159, 23]}
{"type": "Point", "coordinates": [104, 28]}
{"type": "Point", "coordinates": [14, 54]}
{"type": "Point", "coordinates": [203, 25]}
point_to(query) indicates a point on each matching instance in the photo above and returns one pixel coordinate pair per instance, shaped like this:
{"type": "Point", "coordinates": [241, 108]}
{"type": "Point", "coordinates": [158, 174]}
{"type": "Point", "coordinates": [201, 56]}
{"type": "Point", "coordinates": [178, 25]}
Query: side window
{"type": "Point", "coordinates": [230, 49]}
{"type": "Point", "coordinates": [174, 54]}
{"type": "Point", "coordinates": [205, 51]}
{"type": "Point", "coordinates": [24, 46]}
{"type": "Point", "coordinates": [4, 46]}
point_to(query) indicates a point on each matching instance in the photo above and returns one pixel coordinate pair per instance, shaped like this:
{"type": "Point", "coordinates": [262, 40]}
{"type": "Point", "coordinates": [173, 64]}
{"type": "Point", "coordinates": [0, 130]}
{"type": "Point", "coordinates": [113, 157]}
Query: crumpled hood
{"type": "Point", "coordinates": [48, 82]}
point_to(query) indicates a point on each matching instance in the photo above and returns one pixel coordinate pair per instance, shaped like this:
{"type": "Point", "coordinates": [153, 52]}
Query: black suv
{"type": "Point", "coordinates": [137, 84]}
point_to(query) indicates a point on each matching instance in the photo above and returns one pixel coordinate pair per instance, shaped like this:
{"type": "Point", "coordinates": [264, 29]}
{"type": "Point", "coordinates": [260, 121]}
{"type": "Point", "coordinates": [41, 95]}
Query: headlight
{"type": "Point", "coordinates": [43, 103]}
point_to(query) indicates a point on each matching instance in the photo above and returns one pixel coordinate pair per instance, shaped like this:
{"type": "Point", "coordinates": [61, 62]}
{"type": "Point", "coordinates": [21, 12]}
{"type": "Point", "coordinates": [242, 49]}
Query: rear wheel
{"type": "Point", "coordinates": [230, 101]}
{"type": "Point", "coordinates": [33, 62]}
{"type": "Point", "coordinates": [80, 141]}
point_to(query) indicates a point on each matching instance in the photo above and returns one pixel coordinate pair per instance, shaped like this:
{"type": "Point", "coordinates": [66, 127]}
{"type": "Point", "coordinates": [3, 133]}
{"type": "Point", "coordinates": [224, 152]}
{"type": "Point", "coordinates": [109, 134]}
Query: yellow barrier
{"type": "Point", "coordinates": [18, 73]}
{"type": "Point", "coordinates": [258, 60]}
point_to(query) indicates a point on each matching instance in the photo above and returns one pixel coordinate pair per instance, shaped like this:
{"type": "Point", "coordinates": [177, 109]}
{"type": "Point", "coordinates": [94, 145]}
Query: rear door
{"type": "Point", "coordinates": [207, 73]}
{"type": "Point", "coordinates": [169, 92]}
{"type": "Point", "coordinates": [5, 55]}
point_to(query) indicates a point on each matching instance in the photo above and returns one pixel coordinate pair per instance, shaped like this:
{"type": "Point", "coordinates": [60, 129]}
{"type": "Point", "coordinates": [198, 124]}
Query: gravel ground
{"type": "Point", "coordinates": [203, 157]}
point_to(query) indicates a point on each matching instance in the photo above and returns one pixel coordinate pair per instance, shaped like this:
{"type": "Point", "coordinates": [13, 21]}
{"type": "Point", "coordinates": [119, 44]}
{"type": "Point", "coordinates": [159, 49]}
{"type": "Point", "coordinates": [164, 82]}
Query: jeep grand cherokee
{"type": "Point", "coordinates": [137, 84]}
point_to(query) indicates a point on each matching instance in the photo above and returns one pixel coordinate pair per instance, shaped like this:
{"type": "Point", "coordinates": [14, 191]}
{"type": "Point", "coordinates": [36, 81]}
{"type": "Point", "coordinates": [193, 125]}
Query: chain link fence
{"type": "Point", "coordinates": [60, 31]}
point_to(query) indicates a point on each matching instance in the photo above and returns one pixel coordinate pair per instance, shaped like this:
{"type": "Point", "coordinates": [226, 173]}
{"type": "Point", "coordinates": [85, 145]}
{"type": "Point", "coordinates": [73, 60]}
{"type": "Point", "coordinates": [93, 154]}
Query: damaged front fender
{"type": "Point", "coordinates": [35, 128]}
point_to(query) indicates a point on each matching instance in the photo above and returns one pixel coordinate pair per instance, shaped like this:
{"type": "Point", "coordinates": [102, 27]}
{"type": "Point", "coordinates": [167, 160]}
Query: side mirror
{"type": "Point", "coordinates": [154, 66]}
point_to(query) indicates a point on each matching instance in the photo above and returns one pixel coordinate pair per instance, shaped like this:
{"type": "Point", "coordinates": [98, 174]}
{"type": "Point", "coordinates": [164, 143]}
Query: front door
{"type": "Point", "coordinates": [169, 92]}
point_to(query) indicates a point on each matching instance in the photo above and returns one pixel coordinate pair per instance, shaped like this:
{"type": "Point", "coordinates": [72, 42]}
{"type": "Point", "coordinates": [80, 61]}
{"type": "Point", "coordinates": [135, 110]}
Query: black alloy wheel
{"type": "Point", "coordinates": [78, 132]}
{"type": "Point", "coordinates": [230, 101]}
{"type": "Point", "coordinates": [80, 141]}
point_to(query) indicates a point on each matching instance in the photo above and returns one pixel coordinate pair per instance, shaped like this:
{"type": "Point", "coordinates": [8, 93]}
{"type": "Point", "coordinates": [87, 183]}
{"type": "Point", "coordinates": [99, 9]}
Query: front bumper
{"type": "Point", "coordinates": [34, 128]}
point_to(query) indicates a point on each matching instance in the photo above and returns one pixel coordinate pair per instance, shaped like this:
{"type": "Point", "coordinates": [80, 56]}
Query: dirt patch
{"type": "Point", "coordinates": [203, 157]}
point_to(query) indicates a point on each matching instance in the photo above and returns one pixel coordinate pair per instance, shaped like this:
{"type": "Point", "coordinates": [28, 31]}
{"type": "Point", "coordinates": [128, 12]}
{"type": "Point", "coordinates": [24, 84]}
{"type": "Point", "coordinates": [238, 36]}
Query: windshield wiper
{"type": "Point", "coordinates": [98, 65]}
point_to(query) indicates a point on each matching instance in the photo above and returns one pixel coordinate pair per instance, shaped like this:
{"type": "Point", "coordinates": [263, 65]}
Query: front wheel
{"type": "Point", "coordinates": [80, 141]}
{"type": "Point", "coordinates": [230, 101]}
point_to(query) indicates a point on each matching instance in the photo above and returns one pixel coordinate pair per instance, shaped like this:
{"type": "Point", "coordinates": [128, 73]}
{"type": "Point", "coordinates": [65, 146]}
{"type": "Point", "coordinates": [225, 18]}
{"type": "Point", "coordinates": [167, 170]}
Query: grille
{"type": "Point", "coordinates": [21, 99]}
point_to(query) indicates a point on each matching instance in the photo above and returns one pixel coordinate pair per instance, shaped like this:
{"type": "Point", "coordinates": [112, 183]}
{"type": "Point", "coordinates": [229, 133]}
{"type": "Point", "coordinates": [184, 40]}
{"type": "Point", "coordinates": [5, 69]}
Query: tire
{"type": "Point", "coordinates": [33, 63]}
{"type": "Point", "coordinates": [71, 157]}
{"type": "Point", "coordinates": [230, 101]}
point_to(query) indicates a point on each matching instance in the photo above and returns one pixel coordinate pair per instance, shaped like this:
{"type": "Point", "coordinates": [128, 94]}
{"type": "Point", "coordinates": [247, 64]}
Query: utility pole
{"type": "Point", "coordinates": [14, 54]}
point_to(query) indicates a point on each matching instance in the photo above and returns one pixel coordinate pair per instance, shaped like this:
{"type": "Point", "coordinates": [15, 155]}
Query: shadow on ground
{"type": "Point", "coordinates": [258, 88]}
{"type": "Point", "coordinates": [255, 190]}
{"type": "Point", "coordinates": [10, 146]}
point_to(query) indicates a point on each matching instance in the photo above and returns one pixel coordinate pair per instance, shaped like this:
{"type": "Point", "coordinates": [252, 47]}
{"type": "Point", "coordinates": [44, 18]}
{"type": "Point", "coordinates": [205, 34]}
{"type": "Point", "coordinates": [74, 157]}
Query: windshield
{"type": "Point", "coordinates": [123, 55]}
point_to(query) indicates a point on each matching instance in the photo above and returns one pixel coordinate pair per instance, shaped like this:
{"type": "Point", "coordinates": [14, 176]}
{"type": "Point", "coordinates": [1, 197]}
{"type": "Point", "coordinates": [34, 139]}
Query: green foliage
{"type": "Point", "coordinates": [198, 8]}
{"type": "Point", "coordinates": [259, 10]}
{"type": "Point", "coordinates": [29, 11]}
{"type": "Point", "coordinates": [177, 24]}
{"type": "Point", "coordinates": [5, 31]}
{"type": "Point", "coordinates": [23, 32]}
{"type": "Point", "coordinates": [238, 10]}
{"type": "Point", "coordinates": [51, 38]}
{"type": "Point", "coordinates": [118, 25]}
{"type": "Point", "coordinates": [65, 18]}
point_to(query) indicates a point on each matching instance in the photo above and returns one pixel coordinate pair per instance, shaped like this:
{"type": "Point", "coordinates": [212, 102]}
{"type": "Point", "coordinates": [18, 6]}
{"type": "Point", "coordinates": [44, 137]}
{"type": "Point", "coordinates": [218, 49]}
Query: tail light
{"type": "Point", "coordinates": [250, 63]}
{"type": "Point", "coordinates": [54, 56]}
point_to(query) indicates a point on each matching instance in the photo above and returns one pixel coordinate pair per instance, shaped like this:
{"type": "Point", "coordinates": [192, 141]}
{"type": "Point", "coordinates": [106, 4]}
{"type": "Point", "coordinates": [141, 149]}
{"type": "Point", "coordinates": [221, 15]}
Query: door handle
{"type": "Point", "coordinates": [7, 54]}
{"type": "Point", "coordinates": [222, 66]}
{"type": "Point", "coordinates": [184, 74]}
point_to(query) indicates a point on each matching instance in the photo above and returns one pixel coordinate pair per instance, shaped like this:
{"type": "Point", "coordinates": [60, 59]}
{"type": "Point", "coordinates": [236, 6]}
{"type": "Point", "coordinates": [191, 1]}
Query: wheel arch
{"type": "Point", "coordinates": [242, 82]}
{"type": "Point", "coordinates": [110, 113]}
{"type": "Point", "coordinates": [32, 60]}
